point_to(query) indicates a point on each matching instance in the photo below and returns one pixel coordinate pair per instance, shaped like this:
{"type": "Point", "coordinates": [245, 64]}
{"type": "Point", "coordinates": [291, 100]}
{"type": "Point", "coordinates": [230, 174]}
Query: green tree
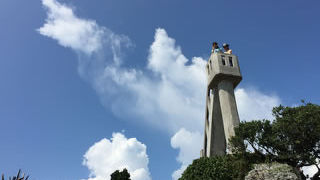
{"type": "Point", "coordinates": [292, 138]}
{"type": "Point", "coordinates": [17, 177]}
{"type": "Point", "coordinates": [123, 175]}
{"type": "Point", "coordinates": [226, 167]}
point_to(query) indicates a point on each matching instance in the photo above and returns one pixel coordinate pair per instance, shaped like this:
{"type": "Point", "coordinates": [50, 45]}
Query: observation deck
{"type": "Point", "coordinates": [222, 66]}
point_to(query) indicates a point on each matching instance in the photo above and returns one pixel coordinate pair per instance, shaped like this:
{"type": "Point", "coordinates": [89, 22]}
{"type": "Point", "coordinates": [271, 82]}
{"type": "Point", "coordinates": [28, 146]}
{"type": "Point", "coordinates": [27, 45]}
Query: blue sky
{"type": "Point", "coordinates": [60, 96]}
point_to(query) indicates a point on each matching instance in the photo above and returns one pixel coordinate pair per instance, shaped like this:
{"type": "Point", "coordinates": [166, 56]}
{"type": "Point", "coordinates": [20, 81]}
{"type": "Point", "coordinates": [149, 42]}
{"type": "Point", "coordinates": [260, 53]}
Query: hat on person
{"type": "Point", "coordinates": [225, 45]}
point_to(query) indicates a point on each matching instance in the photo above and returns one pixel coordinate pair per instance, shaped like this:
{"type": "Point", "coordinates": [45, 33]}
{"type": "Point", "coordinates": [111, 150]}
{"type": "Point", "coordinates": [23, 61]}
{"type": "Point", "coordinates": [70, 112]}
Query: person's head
{"type": "Point", "coordinates": [226, 46]}
{"type": "Point", "coordinates": [215, 45]}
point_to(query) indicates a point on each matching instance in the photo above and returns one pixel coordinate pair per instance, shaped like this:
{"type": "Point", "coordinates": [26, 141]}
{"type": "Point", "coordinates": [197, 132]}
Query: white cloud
{"type": "Point", "coordinates": [254, 105]}
{"type": "Point", "coordinates": [189, 145]}
{"type": "Point", "coordinates": [107, 156]}
{"type": "Point", "coordinates": [169, 94]}
{"type": "Point", "coordinates": [84, 36]}
{"type": "Point", "coordinates": [69, 30]}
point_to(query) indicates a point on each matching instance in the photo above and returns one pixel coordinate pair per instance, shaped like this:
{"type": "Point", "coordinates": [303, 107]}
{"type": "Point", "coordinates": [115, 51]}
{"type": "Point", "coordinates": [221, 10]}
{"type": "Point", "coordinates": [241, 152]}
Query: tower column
{"type": "Point", "coordinates": [228, 108]}
{"type": "Point", "coordinates": [218, 136]}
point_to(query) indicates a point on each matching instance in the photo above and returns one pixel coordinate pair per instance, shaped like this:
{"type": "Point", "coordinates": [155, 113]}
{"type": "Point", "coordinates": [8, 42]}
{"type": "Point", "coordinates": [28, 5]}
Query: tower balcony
{"type": "Point", "coordinates": [222, 66]}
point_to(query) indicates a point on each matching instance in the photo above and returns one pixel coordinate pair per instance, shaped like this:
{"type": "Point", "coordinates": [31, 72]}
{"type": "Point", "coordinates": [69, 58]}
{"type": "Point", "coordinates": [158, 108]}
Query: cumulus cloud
{"type": "Point", "coordinates": [253, 104]}
{"type": "Point", "coordinates": [69, 30]}
{"type": "Point", "coordinates": [107, 156]}
{"type": "Point", "coordinates": [189, 145]}
{"type": "Point", "coordinates": [168, 94]}
{"type": "Point", "coordinates": [84, 36]}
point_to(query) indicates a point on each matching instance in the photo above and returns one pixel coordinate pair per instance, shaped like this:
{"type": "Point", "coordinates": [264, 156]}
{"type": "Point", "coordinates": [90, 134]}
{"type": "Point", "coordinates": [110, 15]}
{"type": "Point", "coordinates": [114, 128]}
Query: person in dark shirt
{"type": "Point", "coordinates": [215, 48]}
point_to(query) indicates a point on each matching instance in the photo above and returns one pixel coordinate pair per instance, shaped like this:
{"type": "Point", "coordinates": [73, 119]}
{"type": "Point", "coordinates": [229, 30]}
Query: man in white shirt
{"type": "Point", "coordinates": [226, 48]}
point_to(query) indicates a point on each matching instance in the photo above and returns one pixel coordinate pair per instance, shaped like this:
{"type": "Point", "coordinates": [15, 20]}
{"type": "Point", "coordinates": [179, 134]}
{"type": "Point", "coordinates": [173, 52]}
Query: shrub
{"type": "Point", "coordinates": [226, 167]}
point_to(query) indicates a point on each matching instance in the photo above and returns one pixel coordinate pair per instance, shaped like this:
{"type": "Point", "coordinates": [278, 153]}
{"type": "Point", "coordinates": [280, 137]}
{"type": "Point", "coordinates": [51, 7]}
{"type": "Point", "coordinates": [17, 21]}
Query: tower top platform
{"type": "Point", "coordinates": [223, 66]}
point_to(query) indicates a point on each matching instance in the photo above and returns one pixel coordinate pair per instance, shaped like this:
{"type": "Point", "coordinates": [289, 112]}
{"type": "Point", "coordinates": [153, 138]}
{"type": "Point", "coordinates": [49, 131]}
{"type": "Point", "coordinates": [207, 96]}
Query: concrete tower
{"type": "Point", "coordinates": [221, 109]}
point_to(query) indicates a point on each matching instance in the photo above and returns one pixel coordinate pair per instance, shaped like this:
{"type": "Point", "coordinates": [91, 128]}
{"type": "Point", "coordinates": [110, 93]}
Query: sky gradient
{"type": "Point", "coordinates": [113, 69]}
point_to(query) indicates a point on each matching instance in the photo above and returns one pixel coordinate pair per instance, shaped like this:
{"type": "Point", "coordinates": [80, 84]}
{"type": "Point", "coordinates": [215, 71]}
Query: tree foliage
{"type": "Point", "coordinates": [226, 167]}
{"type": "Point", "coordinates": [123, 175]}
{"type": "Point", "coordinates": [17, 177]}
{"type": "Point", "coordinates": [292, 138]}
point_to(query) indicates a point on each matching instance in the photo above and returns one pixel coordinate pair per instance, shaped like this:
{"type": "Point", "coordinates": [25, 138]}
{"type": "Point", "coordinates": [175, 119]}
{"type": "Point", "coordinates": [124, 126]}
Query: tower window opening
{"type": "Point", "coordinates": [230, 61]}
{"type": "Point", "coordinates": [223, 60]}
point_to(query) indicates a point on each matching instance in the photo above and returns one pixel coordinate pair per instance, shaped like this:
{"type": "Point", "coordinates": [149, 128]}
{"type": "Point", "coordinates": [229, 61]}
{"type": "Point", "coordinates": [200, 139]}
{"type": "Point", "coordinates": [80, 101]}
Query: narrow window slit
{"type": "Point", "coordinates": [230, 61]}
{"type": "Point", "coordinates": [223, 60]}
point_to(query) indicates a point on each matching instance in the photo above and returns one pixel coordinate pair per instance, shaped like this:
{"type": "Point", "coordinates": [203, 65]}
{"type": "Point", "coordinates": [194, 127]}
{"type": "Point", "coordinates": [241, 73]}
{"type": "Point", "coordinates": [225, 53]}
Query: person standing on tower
{"type": "Point", "coordinates": [215, 48]}
{"type": "Point", "coordinates": [226, 48]}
